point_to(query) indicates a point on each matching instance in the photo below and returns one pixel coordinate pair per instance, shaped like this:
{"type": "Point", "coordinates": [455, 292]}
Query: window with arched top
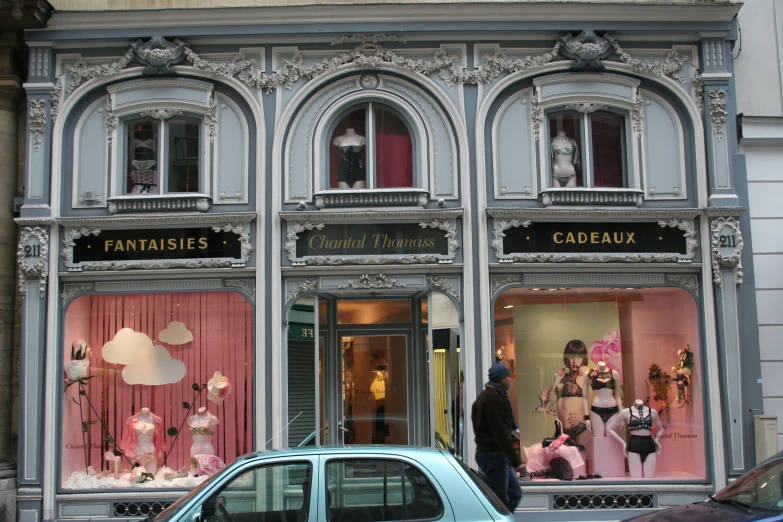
{"type": "Point", "coordinates": [371, 147]}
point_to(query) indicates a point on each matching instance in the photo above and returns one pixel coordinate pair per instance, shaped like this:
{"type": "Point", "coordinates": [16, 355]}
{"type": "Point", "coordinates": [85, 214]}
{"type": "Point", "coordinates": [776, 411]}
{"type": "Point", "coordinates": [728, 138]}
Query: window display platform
{"type": "Point", "coordinates": [664, 476]}
{"type": "Point", "coordinates": [83, 481]}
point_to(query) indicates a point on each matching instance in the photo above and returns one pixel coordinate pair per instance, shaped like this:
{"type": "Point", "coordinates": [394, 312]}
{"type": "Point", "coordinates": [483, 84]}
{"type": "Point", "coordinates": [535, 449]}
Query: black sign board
{"type": "Point", "coordinates": [594, 237]}
{"type": "Point", "coordinates": [150, 244]}
{"type": "Point", "coordinates": [371, 239]}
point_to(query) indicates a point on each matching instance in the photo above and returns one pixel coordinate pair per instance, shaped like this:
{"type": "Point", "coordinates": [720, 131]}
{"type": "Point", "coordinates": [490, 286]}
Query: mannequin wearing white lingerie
{"type": "Point", "coordinates": [143, 439]}
{"type": "Point", "coordinates": [564, 154]}
{"type": "Point", "coordinates": [642, 450]}
{"type": "Point", "coordinates": [605, 384]}
{"type": "Point", "coordinates": [202, 452]}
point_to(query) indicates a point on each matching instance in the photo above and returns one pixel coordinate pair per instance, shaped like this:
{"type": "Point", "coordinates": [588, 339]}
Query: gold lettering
{"type": "Point", "coordinates": [377, 238]}
{"type": "Point", "coordinates": [118, 247]}
{"type": "Point", "coordinates": [153, 245]}
{"type": "Point", "coordinates": [606, 238]}
{"type": "Point", "coordinates": [161, 243]}
{"type": "Point", "coordinates": [130, 245]}
{"type": "Point", "coordinates": [313, 238]}
{"type": "Point", "coordinates": [172, 244]}
{"type": "Point", "coordinates": [191, 243]}
{"type": "Point", "coordinates": [594, 237]}
{"type": "Point", "coordinates": [555, 235]}
{"type": "Point", "coordinates": [202, 243]}
{"type": "Point", "coordinates": [617, 240]}
{"type": "Point", "coordinates": [582, 237]}
{"type": "Point", "coordinates": [570, 238]}
{"type": "Point", "coordinates": [629, 237]}
{"type": "Point", "coordinates": [181, 244]}
{"type": "Point", "coordinates": [142, 244]}
{"type": "Point", "coordinates": [107, 244]}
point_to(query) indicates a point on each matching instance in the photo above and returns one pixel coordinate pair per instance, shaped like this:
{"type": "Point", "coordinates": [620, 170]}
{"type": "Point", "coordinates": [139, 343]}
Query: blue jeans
{"type": "Point", "coordinates": [500, 476]}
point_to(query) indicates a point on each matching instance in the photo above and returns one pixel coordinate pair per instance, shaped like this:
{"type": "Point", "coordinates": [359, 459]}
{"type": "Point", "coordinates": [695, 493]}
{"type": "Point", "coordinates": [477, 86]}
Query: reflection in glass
{"type": "Point", "coordinates": [376, 311]}
{"type": "Point", "coordinates": [183, 154]}
{"type": "Point", "coordinates": [608, 149]}
{"type": "Point", "coordinates": [448, 380]}
{"type": "Point", "coordinates": [375, 390]}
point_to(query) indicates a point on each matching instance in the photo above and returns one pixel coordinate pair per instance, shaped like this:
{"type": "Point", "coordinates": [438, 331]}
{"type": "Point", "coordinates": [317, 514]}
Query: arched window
{"type": "Point", "coordinates": [163, 155]}
{"type": "Point", "coordinates": [371, 147]}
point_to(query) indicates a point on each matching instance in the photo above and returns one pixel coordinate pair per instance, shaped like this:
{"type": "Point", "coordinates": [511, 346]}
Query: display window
{"type": "Point", "coordinates": [158, 389]}
{"type": "Point", "coordinates": [607, 381]}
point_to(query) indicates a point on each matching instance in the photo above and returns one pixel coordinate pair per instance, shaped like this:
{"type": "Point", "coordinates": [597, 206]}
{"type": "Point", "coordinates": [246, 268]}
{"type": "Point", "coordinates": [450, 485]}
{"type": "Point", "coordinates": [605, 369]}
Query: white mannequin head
{"type": "Point", "coordinates": [202, 410]}
{"type": "Point", "coordinates": [638, 402]}
{"type": "Point", "coordinates": [145, 410]}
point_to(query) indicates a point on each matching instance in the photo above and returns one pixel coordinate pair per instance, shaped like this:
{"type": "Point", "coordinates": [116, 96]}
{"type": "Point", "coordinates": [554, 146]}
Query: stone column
{"type": "Point", "coordinates": [10, 98]}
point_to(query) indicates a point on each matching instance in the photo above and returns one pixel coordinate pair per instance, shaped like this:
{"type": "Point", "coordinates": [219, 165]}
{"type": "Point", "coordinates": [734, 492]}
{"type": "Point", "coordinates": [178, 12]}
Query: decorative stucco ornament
{"type": "Point", "coordinates": [588, 49]}
{"type": "Point", "coordinates": [159, 55]}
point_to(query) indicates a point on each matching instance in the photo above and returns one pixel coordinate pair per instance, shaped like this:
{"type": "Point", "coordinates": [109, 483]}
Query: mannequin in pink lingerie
{"type": "Point", "coordinates": [143, 439]}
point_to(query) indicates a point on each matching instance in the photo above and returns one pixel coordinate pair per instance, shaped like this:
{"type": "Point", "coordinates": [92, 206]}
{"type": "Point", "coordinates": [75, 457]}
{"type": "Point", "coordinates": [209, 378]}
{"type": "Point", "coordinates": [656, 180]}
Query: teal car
{"type": "Point", "coordinates": [342, 484]}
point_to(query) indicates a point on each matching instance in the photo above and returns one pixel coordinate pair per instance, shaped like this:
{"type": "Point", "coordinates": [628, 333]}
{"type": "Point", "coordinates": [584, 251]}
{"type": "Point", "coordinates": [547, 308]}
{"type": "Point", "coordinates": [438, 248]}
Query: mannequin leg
{"type": "Point", "coordinates": [635, 465]}
{"type": "Point", "coordinates": [342, 185]}
{"type": "Point", "coordinates": [648, 466]}
{"type": "Point", "coordinates": [571, 183]}
{"type": "Point", "coordinates": [152, 466]}
{"type": "Point", "coordinates": [597, 423]}
{"type": "Point", "coordinates": [360, 185]}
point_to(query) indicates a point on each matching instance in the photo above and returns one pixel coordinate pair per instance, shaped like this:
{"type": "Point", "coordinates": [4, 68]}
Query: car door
{"type": "Point", "coordinates": [379, 487]}
{"type": "Point", "coordinates": [272, 489]}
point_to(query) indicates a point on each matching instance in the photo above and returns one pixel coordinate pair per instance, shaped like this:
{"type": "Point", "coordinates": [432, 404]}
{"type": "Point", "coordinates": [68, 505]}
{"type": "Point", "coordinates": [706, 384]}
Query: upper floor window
{"type": "Point", "coordinates": [371, 147]}
{"type": "Point", "coordinates": [587, 149]}
{"type": "Point", "coordinates": [163, 155]}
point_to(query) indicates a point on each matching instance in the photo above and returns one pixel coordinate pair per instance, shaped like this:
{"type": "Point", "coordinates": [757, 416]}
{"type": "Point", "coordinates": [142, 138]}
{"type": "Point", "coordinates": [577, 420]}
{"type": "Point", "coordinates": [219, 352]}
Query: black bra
{"type": "Point", "coordinates": [598, 384]}
{"type": "Point", "coordinates": [639, 423]}
{"type": "Point", "coordinates": [570, 387]}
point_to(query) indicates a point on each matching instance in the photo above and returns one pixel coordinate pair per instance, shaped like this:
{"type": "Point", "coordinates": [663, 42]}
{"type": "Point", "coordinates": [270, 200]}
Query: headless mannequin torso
{"type": "Point", "coordinates": [565, 160]}
{"type": "Point", "coordinates": [643, 448]}
{"type": "Point", "coordinates": [201, 428]}
{"type": "Point", "coordinates": [351, 174]}
{"type": "Point", "coordinates": [605, 384]}
{"type": "Point", "coordinates": [144, 428]}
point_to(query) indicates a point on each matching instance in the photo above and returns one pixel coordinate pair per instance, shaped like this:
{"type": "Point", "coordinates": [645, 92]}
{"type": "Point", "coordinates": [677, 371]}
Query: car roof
{"type": "Point", "coordinates": [368, 449]}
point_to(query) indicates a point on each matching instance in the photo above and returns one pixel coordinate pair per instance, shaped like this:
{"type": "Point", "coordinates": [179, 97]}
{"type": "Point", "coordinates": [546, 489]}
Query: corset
{"type": "Point", "coordinates": [351, 166]}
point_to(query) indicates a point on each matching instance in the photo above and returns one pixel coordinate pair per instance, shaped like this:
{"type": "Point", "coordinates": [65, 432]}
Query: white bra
{"type": "Point", "coordinates": [149, 143]}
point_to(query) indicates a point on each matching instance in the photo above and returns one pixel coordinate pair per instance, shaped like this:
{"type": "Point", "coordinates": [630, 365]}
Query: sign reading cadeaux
{"type": "Point", "coordinates": [149, 244]}
{"type": "Point", "coordinates": [594, 237]}
{"type": "Point", "coordinates": [371, 239]}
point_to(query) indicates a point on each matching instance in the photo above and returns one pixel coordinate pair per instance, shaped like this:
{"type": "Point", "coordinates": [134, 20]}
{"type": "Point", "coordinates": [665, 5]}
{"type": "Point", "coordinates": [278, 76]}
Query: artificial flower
{"type": "Point", "coordinates": [608, 350]}
{"type": "Point", "coordinates": [218, 388]}
{"type": "Point", "coordinates": [76, 370]}
{"type": "Point", "coordinates": [139, 474]}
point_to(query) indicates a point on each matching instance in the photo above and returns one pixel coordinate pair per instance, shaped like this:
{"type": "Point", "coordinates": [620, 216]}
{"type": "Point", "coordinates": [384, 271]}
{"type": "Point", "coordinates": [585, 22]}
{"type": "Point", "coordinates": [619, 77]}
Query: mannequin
{"type": "Point", "coordinates": [565, 159]}
{"type": "Point", "coordinates": [642, 450]}
{"type": "Point", "coordinates": [351, 173]}
{"type": "Point", "coordinates": [605, 384]}
{"type": "Point", "coordinates": [569, 393]}
{"type": "Point", "coordinates": [201, 428]}
{"type": "Point", "coordinates": [143, 440]}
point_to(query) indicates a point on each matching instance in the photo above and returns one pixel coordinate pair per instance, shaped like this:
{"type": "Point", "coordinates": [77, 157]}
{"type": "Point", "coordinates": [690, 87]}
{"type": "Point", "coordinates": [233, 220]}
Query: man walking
{"type": "Point", "coordinates": [494, 427]}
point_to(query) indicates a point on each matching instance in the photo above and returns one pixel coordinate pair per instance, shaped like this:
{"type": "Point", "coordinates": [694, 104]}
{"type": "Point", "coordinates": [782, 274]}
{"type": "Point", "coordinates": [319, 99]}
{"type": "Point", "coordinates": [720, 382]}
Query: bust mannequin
{"type": "Point", "coordinates": [643, 448]}
{"type": "Point", "coordinates": [143, 439]}
{"type": "Point", "coordinates": [605, 384]}
{"type": "Point", "coordinates": [351, 173]}
{"type": "Point", "coordinates": [565, 160]}
{"type": "Point", "coordinates": [200, 426]}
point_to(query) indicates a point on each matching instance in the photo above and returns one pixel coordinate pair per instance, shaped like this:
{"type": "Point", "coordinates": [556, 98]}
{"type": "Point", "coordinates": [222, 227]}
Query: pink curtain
{"type": "Point", "coordinates": [221, 324]}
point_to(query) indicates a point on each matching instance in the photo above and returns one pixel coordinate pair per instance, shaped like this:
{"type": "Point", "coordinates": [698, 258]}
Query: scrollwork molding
{"type": "Point", "coordinates": [689, 233]}
{"type": "Point", "coordinates": [103, 266]}
{"type": "Point", "coordinates": [111, 121]}
{"type": "Point", "coordinates": [72, 289]}
{"type": "Point", "coordinates": [37, 121]}
{"type": "Point", "coordinates": [718, 113]}
{"type": "Point", "coordinates": [302, 287]}
{"type": "Point", "coordinates": [637, 117]}
{"type": "Point", "coordinates": [442, 285]}
{"type": "Point", "coordinates": [586, 108]}
{"type": "Point", "coordinates": [499, 233]}
{"type": "Point", "coordinates": [211, 119]}
{"type": "Point", "coordinates": [721, 260]}
{"type": "Point", "coordinates": [376, 281]}
{"type": "Point", "coordinates": [672, 66]}
{"type": "Point", "coordinates": [451, 233]}
{"type": "Point", "coordinates": [292, 236]}
{"type": "Point", "coordinates": [161, 114]}
{"type": "Point", "coordinates": [244, 236]}
{"type": "Point", "coordinates": [537, 115]}
{"type": "Point", "coordinates": [500, 281]}
{"type": "Point", "coordinates": [69, 241]}
{"type": "Point", "coordinates": [688, 281]}
{"type": "Point", "coordinates": [40, 268]}
{"type": "Point", "coordinates": [246, 285]}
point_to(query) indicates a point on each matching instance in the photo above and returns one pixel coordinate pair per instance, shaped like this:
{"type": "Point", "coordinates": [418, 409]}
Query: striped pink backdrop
{"type": "Point", "coordinates": [221, 324]}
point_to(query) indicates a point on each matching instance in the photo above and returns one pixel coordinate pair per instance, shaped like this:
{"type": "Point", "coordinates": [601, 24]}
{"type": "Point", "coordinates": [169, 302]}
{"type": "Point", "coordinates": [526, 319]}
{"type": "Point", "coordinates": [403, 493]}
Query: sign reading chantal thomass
{"type": "Point", "coordinates": [594, 237]}
{"type": "Point", "coordinates": [371, 239]}
{"type": "Point", "coordinates": [146, 245]}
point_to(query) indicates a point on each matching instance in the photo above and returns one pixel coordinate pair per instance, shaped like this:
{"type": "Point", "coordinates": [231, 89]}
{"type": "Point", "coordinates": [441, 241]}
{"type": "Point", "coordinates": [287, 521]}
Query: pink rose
{"type": "Point", "coordinates": [218, 388]}
{"type": "Point", "coordinates": [608, 350]}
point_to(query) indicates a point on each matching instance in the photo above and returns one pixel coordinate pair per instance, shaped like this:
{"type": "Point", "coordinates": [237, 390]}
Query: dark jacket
{"type": "Point", "coordinates": [492, 424]}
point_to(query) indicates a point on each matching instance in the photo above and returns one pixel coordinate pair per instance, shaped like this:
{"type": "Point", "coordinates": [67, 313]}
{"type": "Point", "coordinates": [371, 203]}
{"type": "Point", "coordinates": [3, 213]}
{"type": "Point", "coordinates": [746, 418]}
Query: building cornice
{"type": "Point", "coordinates": [364, 215]}
{"type": "Point", "coordinates": [566, 214]}
{"type": "Point", "coordinates": [157, 219]}
{"type": "Point", "coordinates": [340, 13]}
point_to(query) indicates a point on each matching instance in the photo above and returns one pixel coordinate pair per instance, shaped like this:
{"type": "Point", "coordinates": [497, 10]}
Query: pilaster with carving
{"type": "Point", "coordinates": [32, 258]}
{"type": "Point", "coordinates": [727, 247]}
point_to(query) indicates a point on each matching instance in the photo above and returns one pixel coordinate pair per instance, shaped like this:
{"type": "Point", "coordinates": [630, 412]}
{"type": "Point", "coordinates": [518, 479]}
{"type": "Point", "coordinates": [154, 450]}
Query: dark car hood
{"type": "Point", "coordinates": [704, 512]}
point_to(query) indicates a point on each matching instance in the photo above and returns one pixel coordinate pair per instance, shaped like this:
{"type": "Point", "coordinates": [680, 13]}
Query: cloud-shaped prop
{"type": "Point", "coordinates": [175, 333]}
{"type": "Point", "coordinates": [153, 366]}
{"type": "Point", "coordinates": [122, 349]}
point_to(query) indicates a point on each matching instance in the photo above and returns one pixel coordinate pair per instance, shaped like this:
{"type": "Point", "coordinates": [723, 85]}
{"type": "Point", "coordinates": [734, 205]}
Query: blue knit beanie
{"type": "Point", "coordinates": [498, 372]}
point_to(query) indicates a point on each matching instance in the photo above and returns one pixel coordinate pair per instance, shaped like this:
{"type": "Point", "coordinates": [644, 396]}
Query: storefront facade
{"type": "Point", "coordinates": [328, 239]}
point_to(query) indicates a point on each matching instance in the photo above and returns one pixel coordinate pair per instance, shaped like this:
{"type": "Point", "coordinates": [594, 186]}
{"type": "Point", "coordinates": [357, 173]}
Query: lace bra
{"type": "Point", "coordinates": [570, 386]}
{"type": "Point", "coordinates": [640, 422]}
{"type": "Point", "coordinates": [562, 151]}
{"type": "Point", "coordinates": [144, 428]}
{"type": "Point", "coordinates": [149, 143]}
{"type": "Point", "coordinates": [201, 430]}
{"type": "Point", "coordinates": [598, 384]}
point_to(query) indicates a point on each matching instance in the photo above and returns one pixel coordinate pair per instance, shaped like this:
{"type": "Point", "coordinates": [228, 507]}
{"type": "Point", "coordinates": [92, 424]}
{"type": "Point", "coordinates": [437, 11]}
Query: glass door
{"type": "Point", "coordinates": [375, 389]}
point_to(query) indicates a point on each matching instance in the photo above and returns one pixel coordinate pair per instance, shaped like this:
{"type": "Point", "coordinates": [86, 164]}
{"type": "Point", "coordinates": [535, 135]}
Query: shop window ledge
{"type": "Point", "coordinates": [372, 198]}
{"type": "Point", "coordinates": [165, 203]}
{"type": "Point", "coordinates": [592, 197]}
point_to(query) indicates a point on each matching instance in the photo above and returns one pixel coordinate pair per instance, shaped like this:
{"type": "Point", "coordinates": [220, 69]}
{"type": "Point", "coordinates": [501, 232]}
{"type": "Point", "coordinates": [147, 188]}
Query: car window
{"type": "Point", "coordinates": [278, 492]}
{"type": "Point", "coordinates": [479, 481]}
{"type": "Point", "coordinates": [760, 488]}
{"type": "Point", "coordinates": [370, 490]}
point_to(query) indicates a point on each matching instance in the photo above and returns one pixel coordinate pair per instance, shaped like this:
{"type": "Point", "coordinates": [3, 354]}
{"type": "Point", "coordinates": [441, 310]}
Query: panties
{"type": "Point", "coordinates": [564, 180]}
{"type": "Point", "coordinates": [643, 445]}
{"type": "Point", "coordinates": [605, 413]}
{"type": "Point", "coordinates": [575, 431]}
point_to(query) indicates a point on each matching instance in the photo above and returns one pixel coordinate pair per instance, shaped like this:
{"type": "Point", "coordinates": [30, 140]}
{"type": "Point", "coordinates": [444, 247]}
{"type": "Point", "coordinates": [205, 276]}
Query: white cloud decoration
{"type": "Point", "coordinates": [176, 333]}
{"type": "Point", "coordinates": [123, 348]}
{"type": "Point", "coordinates": [153, 366]}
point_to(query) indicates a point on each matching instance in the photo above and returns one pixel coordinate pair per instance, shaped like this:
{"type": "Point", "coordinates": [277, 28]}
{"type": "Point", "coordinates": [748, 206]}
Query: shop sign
{"type": "Point", "coordinates": [110, 249]}
{"type": "Point", "coordinates": [429, 242]}
{"type": "Point", "coordinates": [301, 332]}
{"type": "Point", "coordinates": [662, 241]}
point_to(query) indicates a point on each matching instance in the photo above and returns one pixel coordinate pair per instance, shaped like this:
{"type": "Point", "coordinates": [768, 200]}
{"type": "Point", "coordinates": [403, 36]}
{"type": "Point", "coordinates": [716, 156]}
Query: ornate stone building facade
{"type": "Point", "coordinates": [350, 212]}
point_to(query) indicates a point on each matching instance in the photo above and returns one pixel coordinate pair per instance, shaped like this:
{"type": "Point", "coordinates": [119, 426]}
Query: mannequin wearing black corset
{"type": "Point", "coordinates": [642, 449]}
{"type": "Point", "coordinates": [351, 173]}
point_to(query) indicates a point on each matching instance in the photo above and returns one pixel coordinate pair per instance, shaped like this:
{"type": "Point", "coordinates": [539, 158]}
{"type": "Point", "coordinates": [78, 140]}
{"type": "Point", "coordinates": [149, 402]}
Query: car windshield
{"type": "Point", "coordinates": [760, 489]}
{"type": "Point", "coordinates": [173, 509]}
{"type": "Point", "coordinates": [484, 488]}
